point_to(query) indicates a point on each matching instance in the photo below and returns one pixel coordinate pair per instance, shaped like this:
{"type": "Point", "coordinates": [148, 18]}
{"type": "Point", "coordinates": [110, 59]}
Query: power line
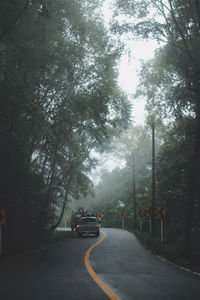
{"type": "Point", "coordinates": [141, 140]}
{"type": "Point", "coordinates": [184, 156]}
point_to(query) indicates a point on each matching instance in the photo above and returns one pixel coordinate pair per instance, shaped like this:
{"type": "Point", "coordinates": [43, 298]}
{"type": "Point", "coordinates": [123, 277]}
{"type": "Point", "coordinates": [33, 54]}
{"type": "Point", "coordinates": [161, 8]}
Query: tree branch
{"type": "Point", "coordinates": [7, 30]}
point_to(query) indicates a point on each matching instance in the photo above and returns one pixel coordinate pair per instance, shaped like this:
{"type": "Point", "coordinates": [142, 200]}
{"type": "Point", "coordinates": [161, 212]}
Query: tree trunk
{"type": "Point", "coordinates": [52, 172]}
{"type": "Point", "coordinates": [194, 191]}
{"type": "Point", "coordinates": [54, 226]}
{"type": "Point", "coordinates": [44, 165]}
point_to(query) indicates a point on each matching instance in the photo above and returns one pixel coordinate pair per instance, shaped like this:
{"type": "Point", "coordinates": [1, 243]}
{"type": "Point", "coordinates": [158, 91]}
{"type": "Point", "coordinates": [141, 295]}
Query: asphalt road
{"type": "Point", "coordinates": [59, 272]}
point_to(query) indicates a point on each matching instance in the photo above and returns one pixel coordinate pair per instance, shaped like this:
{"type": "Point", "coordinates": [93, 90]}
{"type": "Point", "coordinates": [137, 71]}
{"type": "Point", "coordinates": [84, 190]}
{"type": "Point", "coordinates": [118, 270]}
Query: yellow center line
{"type": "Point", "coordinates": [109, 292]}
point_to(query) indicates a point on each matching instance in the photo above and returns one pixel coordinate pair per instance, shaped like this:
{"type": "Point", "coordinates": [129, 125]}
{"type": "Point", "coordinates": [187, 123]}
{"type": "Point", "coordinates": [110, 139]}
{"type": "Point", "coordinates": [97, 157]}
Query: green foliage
{"type": "Point", "coordinates": [114, 192]}
{"type": "Point", "coordinates": [173, 172]}
{"type": "Point", "coordinates": [170, 82]}
{"type": "Point", "coordinates": [59, 100]}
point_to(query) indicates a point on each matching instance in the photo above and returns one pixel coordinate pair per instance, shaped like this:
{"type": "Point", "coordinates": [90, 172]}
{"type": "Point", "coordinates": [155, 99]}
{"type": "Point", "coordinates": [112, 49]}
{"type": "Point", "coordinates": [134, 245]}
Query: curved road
{"type": "Point", "coordinates": [59, 272]}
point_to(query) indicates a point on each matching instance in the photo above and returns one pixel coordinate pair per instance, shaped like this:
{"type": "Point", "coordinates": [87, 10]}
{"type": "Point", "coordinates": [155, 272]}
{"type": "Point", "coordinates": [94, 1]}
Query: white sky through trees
{"type": "Point", "coordinates": [130, 65]}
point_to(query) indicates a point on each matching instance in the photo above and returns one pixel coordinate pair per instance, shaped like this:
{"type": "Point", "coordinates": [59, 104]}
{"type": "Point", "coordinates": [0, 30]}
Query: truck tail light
{"type": "Point", "coordinates": [77, 226]}
{"type": "Point", "coordinates": [96, 225]}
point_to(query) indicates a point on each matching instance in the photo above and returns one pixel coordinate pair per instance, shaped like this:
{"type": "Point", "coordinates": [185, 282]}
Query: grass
{"type": "Point", "coordinates": [171, 252]}
{"type": "Point", "coordinates": [58, 235]}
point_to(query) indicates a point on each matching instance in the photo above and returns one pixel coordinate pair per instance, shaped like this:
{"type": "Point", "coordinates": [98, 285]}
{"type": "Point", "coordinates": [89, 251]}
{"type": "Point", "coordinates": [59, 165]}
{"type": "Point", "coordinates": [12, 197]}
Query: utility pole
{"type": "Point", "coordinates": [153, 178]}
{"type": "Point", "coordinates": [134, 193]}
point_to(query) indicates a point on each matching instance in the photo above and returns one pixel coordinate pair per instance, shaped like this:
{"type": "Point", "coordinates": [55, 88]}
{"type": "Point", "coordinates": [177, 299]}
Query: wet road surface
{"type": "Point", "coordinates": [59, 272]}
{"type": "Point", "coordinates": [135, 274]}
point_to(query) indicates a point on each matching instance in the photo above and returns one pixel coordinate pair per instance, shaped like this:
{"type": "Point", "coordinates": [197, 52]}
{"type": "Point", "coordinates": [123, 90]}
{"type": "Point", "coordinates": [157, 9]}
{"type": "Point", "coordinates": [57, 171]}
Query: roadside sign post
{"type": "Point", "coordinates": [101, 220]}
{"type": "Point", "coordinates": [140, 214]}
{"type": "Point", "coordinates": [122, 222]}
{"type": "Point", "coordinates": [122, 215]}
{"type": "Point", "coordinates": [161, 230]}
{"type": "Point", "coordinates": [161, 215]}
{"type": "Point", "coordinates": [65, 218]}
{"type": "Point", "coordinates": [2, 222]}
{"type": "Point", "coordinates": [140, 223]}
{"type": "Point", "coordinates": [149, 214]}
{"type": "Point", "coordinates": [0, 239]}
{"type": "Point", "coordinates": [150, 225]}
{"type": "Point", "coordinates": [100, 215]}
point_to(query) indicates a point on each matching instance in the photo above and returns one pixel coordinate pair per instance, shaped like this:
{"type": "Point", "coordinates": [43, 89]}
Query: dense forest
{"type": "Point", "coordinates": [59, 101]}
{"type": "Point", "coordinates": [60, 104]}
{"type": "Point", "coordinates": [170, 83]}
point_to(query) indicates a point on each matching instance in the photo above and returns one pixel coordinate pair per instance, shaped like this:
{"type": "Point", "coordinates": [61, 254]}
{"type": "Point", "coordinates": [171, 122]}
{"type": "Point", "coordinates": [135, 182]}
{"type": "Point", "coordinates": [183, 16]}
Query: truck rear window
{"type": "Point", "coordinates": [87, 220]}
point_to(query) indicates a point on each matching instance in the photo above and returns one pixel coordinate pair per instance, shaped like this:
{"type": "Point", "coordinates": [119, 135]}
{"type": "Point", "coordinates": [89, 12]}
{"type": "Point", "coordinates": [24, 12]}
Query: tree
{"type": "Point", "coordinates": [59, 100]}
{"type": "Point", "coordinates": [114, 192]}
{"type": "Point", "coordinates": [176, 24]}
{"type": "Point", "coordinates": [175, 159]}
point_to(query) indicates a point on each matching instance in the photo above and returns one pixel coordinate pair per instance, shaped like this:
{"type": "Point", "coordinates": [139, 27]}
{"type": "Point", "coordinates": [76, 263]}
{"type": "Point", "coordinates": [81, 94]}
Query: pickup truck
{"type": "Point", "coordinates": [88, 224]}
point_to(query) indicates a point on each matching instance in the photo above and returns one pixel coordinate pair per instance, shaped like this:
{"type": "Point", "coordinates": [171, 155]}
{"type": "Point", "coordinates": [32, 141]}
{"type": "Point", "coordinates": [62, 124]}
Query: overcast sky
{"type": "Point", "coordinates": [130, 65]}
{"type": "Point", "coordinates": [128, 79]}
